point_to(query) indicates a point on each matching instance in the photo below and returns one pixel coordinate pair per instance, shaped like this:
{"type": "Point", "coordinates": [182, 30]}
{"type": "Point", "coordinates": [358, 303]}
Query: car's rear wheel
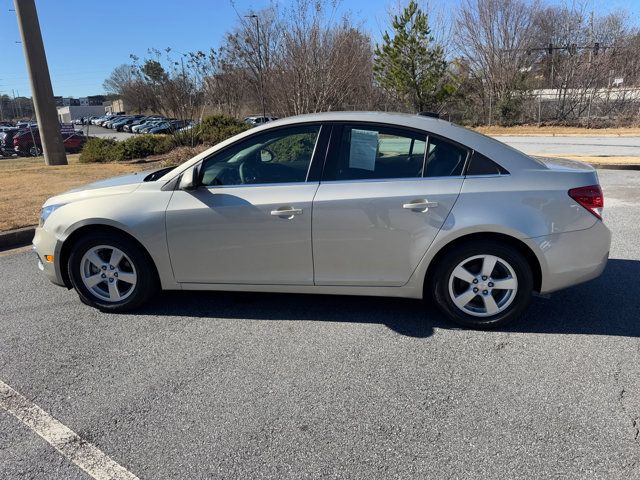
{"type": "Point", "coordinates": [111, 272]}
{"type": "Point", "coordinates": [34, 151]}
{"type": "Point", "coordinates": [482, 284]}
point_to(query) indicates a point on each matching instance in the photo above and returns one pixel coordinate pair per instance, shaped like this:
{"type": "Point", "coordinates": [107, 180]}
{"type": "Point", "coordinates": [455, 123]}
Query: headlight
{"type": "Point", "coordinates": [46, 211]}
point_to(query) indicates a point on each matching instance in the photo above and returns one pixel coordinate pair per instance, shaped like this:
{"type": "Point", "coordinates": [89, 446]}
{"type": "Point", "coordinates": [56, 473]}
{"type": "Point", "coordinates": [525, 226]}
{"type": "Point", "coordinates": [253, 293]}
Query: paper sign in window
{"type": "Point", "coordinates": [363, 149]}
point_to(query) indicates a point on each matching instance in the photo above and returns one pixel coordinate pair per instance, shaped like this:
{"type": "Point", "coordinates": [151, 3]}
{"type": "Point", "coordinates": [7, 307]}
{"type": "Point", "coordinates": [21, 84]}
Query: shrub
{"type": "Point", "coordinates": [216, 128]}
{"type": "Point", "coordinates": [142, 146]}
{"type": "Point", "coordinates": [109, 150]}
{"type": "Point", "coordinates": [213, 129]}
{"type": "Point", "coordinates": [181, 154]}
{"type": "Point", "coordinates": [101, 150]}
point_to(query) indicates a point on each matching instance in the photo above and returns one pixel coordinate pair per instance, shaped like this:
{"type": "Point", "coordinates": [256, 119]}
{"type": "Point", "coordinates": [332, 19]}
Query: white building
{"type": "Point", "coordinates": [71, 113]}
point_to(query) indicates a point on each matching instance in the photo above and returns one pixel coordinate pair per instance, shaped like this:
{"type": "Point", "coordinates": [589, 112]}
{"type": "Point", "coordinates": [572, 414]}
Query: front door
{"type": "Point", "coordinates": [250, 221]}
{"type": "Point", "coordinates": [384, 195]}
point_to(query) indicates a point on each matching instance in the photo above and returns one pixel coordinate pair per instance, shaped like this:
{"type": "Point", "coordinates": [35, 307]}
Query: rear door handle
{"type": "Point", "coordinates": [288, 212]}
{"type": "Point", "coordinates": [421, 204]}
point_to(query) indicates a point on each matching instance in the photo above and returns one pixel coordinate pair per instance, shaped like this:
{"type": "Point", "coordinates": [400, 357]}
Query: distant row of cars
{"type": "Point", "coordinates": [136, 123]}
{"type": "Point", "coordinates": [23, 139]}
{"type": "Point", "coordinates": [256, 120]}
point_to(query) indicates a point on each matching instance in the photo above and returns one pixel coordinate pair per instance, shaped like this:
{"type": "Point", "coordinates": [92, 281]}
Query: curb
{"type": "Point", "coordinates": [16, 238]}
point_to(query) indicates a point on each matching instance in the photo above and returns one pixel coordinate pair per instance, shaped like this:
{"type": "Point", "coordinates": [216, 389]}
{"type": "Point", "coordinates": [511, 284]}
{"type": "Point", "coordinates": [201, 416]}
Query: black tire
{"type": "Point", "coordinates": [439, 283]}
{"type": "Point", "coordinates": [146, 283]}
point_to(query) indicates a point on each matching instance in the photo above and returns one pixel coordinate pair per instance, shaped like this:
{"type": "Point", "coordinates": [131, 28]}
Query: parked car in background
{"type": "Point", "coordinates": [109, 123]}
{"type": "Point", "coordinates": [6, 141]}
{"type": "Point", "coordinates": [349, 203]}
{"type": "Point", "coordinates": [255, 120]}
{"type": "Point", "coordinates": [27, 142]}
{"type": "Point", "coordinates": [117, 125]}
{"type": "Point", "coordinates": [162, 127]}
{"type": "Point", "coordinates": [187, 127]}
{"type": "Point", "coordinates": [100, 120]}
{"type": "Point", "coordinates": [168, 127]}
{"type": "Point", "coordinates": [129, 127]}
{"type": "Point", "coordinates": [145, 128]}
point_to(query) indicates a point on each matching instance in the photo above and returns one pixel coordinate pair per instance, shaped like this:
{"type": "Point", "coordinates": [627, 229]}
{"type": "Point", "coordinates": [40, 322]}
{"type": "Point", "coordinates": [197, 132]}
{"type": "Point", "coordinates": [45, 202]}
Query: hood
{"type": "Point", "coordinates": [110, 186]}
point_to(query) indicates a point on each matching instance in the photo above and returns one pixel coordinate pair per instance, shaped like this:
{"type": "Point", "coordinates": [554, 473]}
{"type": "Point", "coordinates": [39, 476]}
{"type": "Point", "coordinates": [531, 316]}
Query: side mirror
{"type": "Point", "coordinates": [189, 179]}
{"type": "Point", "coordinates": [265, 155]}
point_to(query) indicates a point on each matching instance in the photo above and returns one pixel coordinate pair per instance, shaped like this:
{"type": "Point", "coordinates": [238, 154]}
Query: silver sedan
{"type": "Point", "coordinates": [337, 203]}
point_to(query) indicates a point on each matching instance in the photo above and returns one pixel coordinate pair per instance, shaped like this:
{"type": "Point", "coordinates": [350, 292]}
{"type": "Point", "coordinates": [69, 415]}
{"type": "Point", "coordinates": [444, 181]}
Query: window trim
{"type": "Point", "coordinates": [321, 142]}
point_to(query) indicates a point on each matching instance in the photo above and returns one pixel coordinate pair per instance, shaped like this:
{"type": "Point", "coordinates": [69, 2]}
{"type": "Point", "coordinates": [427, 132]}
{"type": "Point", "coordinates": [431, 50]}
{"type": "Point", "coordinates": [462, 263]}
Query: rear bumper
{"type": "Point", "coordinates": [571, 258]}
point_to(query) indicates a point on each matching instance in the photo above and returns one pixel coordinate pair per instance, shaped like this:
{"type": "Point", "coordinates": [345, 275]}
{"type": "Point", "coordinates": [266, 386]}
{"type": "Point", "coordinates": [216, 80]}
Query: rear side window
{"type": "Point", "coordinates": [369, 152]}
{"type": "Point", "coordinates": [444, 159]}
{"type": "Point", "coordinates": [481, 165]}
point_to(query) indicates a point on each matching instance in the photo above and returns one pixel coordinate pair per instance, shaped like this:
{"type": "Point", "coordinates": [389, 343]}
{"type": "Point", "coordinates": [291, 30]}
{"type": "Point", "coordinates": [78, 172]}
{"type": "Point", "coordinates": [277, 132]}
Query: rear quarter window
{"type": "Point", "coordinates": [481, 165]}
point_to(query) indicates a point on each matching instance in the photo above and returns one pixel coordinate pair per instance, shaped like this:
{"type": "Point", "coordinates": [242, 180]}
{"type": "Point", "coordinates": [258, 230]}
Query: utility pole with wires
{"type": "Point", "coordinates": [41, 90]}
{"type": "Point", "coordinates": [260, 73]}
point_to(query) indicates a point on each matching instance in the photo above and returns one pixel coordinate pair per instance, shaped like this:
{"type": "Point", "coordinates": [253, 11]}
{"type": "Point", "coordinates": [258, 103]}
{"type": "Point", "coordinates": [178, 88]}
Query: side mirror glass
{"type": "Point", "coordinates": [189, 179]}
{"type": "Point", "coordinates": [266, 155]}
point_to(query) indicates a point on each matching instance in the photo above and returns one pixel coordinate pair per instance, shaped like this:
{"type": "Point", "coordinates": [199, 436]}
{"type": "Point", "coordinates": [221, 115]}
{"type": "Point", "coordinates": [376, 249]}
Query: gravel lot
{"type": "Point", "coordinates": [291, 386]}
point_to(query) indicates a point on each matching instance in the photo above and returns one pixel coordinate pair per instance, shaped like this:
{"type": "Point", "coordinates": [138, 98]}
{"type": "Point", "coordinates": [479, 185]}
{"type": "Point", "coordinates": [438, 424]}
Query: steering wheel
{"type": "Point", "coordinates": [248, 172]}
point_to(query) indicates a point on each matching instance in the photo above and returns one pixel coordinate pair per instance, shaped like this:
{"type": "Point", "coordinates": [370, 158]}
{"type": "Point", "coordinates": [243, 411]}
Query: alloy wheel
{"type": "Point", "coordinates": [483, 285]}
{"type": "Point", "coordinates": [108, 273]}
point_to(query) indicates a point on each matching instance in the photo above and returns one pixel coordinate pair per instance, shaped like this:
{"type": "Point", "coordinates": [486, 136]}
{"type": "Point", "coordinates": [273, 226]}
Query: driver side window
{"type": "Point", "coordinates": [277, 156]}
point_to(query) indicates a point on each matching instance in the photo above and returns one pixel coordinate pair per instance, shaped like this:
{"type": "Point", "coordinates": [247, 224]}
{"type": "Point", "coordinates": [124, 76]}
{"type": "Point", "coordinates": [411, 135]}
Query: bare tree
{"type": "Point", "coordinates": [588, 51]}
{"type": "Point", "coordinates": [309, 61]}
{"type": "Point", "coordinates": [494, 37]}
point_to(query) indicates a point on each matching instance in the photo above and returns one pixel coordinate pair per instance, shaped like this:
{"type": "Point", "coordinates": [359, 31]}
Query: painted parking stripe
{"type": "Point", "coordinates": [80, 452]}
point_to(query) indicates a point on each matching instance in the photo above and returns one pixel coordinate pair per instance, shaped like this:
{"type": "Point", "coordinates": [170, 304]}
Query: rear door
{"type": "Point", "coordinates": [384, 195]}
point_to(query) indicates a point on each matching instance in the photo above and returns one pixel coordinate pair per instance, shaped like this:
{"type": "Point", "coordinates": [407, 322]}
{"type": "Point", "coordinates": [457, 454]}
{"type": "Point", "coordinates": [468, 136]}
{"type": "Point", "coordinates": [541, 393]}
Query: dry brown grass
{"type": "Point", "coordinates": [532, 130]}
{"type": "Point", "coordinates": [26, 183]}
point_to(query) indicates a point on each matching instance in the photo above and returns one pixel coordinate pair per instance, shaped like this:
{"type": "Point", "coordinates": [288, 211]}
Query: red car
{"type": "Point", "coordinates": [27, 143]}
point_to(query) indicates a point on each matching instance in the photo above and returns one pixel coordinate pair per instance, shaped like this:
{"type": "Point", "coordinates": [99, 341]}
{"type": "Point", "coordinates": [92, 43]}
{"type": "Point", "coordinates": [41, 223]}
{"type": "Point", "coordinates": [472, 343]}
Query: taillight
{"type": "Point", "coordinates": [590, 197]}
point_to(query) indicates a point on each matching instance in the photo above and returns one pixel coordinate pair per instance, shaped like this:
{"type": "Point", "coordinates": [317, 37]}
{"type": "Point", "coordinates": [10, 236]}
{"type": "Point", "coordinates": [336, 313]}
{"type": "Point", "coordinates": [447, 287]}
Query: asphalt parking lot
{"type": "Point", "coordinates": [219, 385]}
{"type": "Point", "coordinates": [95, 131]}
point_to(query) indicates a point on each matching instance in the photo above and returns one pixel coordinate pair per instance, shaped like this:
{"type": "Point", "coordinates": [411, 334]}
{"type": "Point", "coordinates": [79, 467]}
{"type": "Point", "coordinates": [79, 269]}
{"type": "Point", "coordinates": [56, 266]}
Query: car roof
{"type": "Point", "coordinates": [508, 157]}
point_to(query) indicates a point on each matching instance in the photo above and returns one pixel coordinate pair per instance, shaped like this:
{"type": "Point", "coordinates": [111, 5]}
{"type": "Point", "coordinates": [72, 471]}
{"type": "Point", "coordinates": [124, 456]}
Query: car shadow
{"type": "Point", "coordinates": [608, 305]}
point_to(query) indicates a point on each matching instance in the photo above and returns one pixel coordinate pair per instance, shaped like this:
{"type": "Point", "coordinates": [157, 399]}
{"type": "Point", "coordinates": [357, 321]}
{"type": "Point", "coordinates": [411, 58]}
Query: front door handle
{"type": "Point", "coordinates": [421, 204]}
{"type": "Point", "coordinates": [288, 212]}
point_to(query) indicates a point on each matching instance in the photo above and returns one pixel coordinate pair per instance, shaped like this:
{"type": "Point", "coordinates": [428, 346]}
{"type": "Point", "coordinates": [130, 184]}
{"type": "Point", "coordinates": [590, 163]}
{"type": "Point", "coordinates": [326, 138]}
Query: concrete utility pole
{"type": "Point", "coordinates": [264, 108]}
{"type": "Point", "coordinates": [41, 90]}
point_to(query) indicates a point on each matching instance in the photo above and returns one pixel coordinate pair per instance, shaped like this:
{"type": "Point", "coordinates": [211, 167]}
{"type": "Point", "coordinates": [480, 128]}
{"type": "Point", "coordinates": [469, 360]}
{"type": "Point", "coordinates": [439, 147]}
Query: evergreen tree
{"type": "Point", "coordinates": [411, 65]}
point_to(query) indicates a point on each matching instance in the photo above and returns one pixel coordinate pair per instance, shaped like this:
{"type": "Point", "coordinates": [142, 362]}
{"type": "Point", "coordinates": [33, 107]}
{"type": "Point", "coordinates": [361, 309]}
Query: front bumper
{"type": "Point", "coordinates": [45, 243]}
{"type": "Point", "coordinates": [571, 258]}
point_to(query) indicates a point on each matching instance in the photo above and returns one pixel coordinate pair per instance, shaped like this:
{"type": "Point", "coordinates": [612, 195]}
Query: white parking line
{"type": "Point", "coordinates": [85, 455]}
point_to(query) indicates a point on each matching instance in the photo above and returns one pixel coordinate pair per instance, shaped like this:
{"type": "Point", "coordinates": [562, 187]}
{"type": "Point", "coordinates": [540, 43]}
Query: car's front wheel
{"type": "Point", "coordinates": [111, 272]}
{"type": "Point", "coordinates": [483, 284]}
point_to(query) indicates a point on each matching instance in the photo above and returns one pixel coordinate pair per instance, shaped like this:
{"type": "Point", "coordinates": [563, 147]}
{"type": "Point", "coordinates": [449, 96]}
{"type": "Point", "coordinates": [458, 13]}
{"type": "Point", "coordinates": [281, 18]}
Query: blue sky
{"type": "Point", "coordinates": [86, 39]}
